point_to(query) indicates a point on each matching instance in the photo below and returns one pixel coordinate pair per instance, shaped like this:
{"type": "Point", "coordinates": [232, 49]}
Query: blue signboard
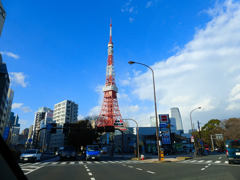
{"type": "Point", "coordinates": [6, 133]}
{"type": "Point", "coordinates": [163, 125]}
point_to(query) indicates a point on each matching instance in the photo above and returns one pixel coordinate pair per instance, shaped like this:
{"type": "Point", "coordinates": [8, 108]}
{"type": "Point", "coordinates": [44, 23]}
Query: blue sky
{"type": "Point", "coordinates": [57, 50]}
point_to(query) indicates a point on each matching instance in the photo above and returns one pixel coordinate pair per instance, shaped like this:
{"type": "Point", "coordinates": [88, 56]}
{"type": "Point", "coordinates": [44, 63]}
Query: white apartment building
{"type": "Point", "coordinates": [64, 112]}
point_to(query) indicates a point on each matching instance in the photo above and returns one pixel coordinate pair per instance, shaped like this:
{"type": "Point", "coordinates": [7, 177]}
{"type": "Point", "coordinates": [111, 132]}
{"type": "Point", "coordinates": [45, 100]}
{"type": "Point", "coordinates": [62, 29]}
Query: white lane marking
{"type": "Point", "coordinates": [209, 164]}
{"type": "Point", "coordinates": [36, 163]}
{"type": "Point", "coordinates": [45, 163]}
{"type": "Point", "coordinates": [200, 161]}
{"type": "Point", "coordinates": [33, 170]}
{"type": "Point", "coordinates": [151, 172]}
{"type": "Point", "coordinates": [202, 169]}
{"type": "Point", "coordinates": [89, 162]}
{"type": "Point", "coordinates": [209, 161]}
{"type": "Point", "coordinates": [72, 162]}
{"type": "Point", "coordinates": [193, 161]}
{"type": "Point", "coordinates": [85, 166]}
{"type": "Point", "coordinates": [64, 163]}
{"type": "Point", "coordinates": [97, 162]}
{"type": "Point", "coordinates": [54, 162]}
{"type": "Point", "coordinates": [92, 178]}
{"type": "Point", "coordinates": [90, 174]}
{"type": "Point", "coordinates": [217, 162]}
{"type": "Point", "coordinates": [139, 169]}
{"type": "Point", "coordinates": [80, 162]}
{"type": "Point", "coordinates": [87, 170]}
{"type": "Point", "coordinates": [226, 162]}
{"type": "Point", "coordinates": [103, 161]}
{"type": "Point", "coordinates": [220, 158]}
{"type": "Point", "coordinates": [206, 166]}
{"type": "Point", "coordinates": [130, 166]}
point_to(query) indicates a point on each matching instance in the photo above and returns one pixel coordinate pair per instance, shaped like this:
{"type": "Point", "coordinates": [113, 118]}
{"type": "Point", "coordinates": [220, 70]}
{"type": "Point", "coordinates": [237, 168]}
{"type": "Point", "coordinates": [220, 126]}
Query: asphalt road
{"type": "Point", "coordinates": [207, 167]}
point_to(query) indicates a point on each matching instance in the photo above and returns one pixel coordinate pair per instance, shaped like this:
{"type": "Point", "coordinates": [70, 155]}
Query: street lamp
{"type": "Point", "coordinates": [195, 152]}
{"type": "Point", "coordinates": [137, 135]}
{"type": "Point", "coordinates": [155, 104]}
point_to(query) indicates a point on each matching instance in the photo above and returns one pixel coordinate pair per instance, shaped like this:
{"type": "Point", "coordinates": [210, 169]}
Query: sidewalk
{"type": "Point", "coordinates": [154, 158]}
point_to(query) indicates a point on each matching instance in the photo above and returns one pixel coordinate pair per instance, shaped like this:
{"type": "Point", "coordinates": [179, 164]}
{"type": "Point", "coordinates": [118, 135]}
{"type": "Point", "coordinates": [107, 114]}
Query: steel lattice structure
{"type": "Point", "coordinates": [110, 114]}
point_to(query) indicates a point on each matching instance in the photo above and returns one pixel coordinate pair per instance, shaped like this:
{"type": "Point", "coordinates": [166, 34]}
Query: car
{"type": "Point", "coordinates": [31, 155]}
{"type": "Point", "coordinates": [92, 152]}
{"type": "Point", "coordinates": [104, 150]}
{"type": "Point", "coordinates": [233, 151]}
{"type": "Point", "coordinates": [68, 153]}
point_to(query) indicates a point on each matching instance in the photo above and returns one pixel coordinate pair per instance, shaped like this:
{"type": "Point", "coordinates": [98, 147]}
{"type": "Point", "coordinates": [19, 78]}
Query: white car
{"type": "Point", "coordinates": [31, 155]}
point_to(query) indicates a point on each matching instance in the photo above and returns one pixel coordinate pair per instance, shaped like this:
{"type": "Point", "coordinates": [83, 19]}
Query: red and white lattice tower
{"type": "Point", "coordinates": [110, 114]}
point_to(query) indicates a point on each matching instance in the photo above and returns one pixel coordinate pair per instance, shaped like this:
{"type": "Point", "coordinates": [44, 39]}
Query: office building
{"type": "Point", "coordinates": [42, 117]}
{"type": "Point", "coordinates": [15, 129]}
{"type": "Point", "coordinates": [175, 117]}
{"type": "Point", "coordinates": [4, 85]}
{"type": "Point", "coordinates": [2, 17]}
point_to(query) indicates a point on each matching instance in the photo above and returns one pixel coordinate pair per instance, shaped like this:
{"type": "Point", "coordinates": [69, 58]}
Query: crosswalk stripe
{"type": "Point", "coordinates": [80, 162]}
{"type": "Point", "coordinates": [97, 162]}
{"type": "Point", "coordinates": [72, 162]}
{"type": "Point", "coordinates": [89, 162]}
{"type": "Point", "coordinates": [200, 161]}
{"type": "Point", "coordinates": [193, 161]}
{"type": "Point", "coordinates": [226, 162]}
{"type": "Point", "coordinates": [217, 162]}
{"type": "Point", "coordinates": [209, 161]}
{"type": "Point", "coordinates": [54, 162]}
{"type": "Point", "coordinates": [63, 162]}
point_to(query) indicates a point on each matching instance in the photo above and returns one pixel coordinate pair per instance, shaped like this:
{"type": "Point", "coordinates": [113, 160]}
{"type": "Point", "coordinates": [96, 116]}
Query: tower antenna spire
{"type": "Point", "coordinates": [110, 40]}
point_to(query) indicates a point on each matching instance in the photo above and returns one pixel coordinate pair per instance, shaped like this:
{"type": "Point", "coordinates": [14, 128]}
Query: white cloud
{"type": "Point", "coordinates": [10, 54]}
{"type": "Point", "coordinates": [17, 105]}
{"type": "Point", "coordinates": [26, 109]}
{"type": "Point", "coordinates": [80, 117]}
{"type": "Point", "coordinates": [149, 4]}
{"type": "Point", "coordinates": [131, 19]}
{"type": "Point", "coordinates": [202, 73]}
{"type": "Point", "coordinates": [21, 106]}
{"type": "Point", "coordinates": [18, 78]}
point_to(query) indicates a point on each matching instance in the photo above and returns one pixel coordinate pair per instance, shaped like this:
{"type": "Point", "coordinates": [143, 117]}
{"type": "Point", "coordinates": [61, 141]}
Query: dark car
{"type": "Point", "coordinates": [233, 151]}
{"type": "Point", "coordinates": [68, 153]}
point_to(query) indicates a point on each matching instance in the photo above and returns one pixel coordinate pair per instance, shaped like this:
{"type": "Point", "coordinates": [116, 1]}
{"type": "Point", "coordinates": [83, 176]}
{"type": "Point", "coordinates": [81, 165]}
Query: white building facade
{"type": "Point", "coordinates": [64, 112]}
{"type": "Point", "coordinates": [176, 120]}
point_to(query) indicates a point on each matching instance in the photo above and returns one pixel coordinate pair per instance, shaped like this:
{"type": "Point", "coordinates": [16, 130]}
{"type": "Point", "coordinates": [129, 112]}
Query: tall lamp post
{"type": "Point", "coordinates": [138, 154]}
{"type": "Point", "coordinates": [195, 147]}
{"type": "Point", "coordinates": [155, 104]}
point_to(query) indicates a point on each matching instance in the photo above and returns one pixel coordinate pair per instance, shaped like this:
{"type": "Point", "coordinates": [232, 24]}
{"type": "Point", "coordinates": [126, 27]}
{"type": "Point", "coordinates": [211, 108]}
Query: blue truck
{"type": "Point", "coordinates": [92, 152]}
{"type": "Point", "coordinates": [233, 151]}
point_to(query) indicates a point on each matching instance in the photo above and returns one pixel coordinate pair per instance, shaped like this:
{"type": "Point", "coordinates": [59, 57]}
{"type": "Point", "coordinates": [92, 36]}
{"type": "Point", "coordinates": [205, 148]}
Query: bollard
{"type": "Point", "coordinates": [142, 157]}
{"type": "Point", "coordinates": [162, 155]}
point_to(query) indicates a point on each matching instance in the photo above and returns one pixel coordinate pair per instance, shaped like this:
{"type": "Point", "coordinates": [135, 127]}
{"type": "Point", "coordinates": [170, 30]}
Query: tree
{"type": "Point", "coordinates": [81, 134]}
{"type": "Point", "coordinates": [212, 127]}
{"type": "Point", "coordinates": [232, 129]}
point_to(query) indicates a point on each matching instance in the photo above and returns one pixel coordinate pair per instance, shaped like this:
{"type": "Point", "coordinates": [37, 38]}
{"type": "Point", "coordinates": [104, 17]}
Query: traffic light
{"type": "Point", "coordinates": [100, 129]}
{"type": "Point", "coordinates": [53, 128]}
{"type": "Point", "coordinates": [109, 128]}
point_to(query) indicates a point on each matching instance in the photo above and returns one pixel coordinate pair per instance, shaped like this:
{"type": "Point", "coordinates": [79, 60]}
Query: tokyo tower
{"type": "Point", "coordinates": [110, 114]}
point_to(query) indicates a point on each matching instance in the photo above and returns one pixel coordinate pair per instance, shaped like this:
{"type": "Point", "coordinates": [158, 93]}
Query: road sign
{"type": "Point", "coordinates": [6, 133]}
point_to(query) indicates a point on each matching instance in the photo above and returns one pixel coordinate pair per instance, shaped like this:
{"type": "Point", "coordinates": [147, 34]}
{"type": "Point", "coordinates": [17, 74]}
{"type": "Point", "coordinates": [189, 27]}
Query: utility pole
{"type": "Point", "coordinates": [199, 130]}
{"type": "Point", "coordinates": [212, 142]}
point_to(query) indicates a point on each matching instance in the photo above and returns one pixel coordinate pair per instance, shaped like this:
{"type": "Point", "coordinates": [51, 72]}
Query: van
{"type": "Point", "coordinates": [233, 151]}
